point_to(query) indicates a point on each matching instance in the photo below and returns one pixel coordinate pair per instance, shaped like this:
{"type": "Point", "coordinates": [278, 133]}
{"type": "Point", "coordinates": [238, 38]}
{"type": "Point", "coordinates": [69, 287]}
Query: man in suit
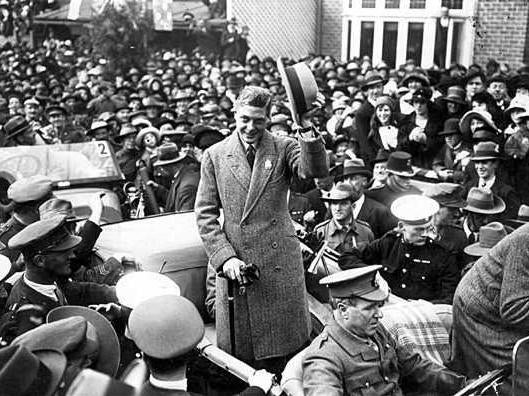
{"type": "Point", "coordinates": [378, 216]}
{"type": "Point", "coordinates": [248, 175]}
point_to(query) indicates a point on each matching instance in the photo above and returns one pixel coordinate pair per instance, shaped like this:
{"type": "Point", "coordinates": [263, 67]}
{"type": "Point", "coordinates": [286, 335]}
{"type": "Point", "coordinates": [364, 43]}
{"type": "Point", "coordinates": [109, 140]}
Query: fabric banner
{"type": "Point", "coordinates": [74, 9]}
{"type": "Point", "coordinates": [162, 14]}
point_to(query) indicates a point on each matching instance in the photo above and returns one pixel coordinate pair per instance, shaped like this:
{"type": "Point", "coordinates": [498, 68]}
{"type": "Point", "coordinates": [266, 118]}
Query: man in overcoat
{"type": "Point", "coordinates": [248, 175]}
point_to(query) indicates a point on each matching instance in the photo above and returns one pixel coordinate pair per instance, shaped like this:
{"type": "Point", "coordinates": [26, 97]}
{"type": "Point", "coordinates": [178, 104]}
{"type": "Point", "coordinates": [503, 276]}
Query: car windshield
{"type": "Point", "coordinates": [64, 164]}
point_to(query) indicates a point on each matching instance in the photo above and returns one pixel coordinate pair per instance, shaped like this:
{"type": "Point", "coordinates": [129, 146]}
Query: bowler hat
{"type": "Point", "coordinates": [364, 282]}
{"type": "Point", "coordinates": [414, 209]}
{"type": "Point", "coordinates": [399, 163]}
{"type": "Point", "coordinates": [166, 326]}
{"type": "Point", "coordinates": [455, 94]}
{"type": "Point", "coordinates": [33, 188]}
{"type": "Point", "coordinates": [48, 235]}
{"type": "Point", "coordinates": [300, 86]}
{"type": "Point", "coordinates": [489, 236]}
{"type": "Point", "coordinates": [450, 127]}
{"type": "Point", "coordinates": [30, 373]}
{"type": "Point", "coordinates": [355, 166]}
{"type": "Point", "coordinates": [446, 194]}
{"type": "Point", "coordinates": [15, 126]}
{"type": "Point", "coordinates": [108, 355]}
{"type": "Point", "coordinates": [167, 154]}
{"type": "Point", "coordinates": [483, 201]}
{"type": "Point", "coordinates": [486, 151]}
{"type": "Point", "coordinates": [339, 192]}
{"type": "Point", "coordinates": [415, 75]}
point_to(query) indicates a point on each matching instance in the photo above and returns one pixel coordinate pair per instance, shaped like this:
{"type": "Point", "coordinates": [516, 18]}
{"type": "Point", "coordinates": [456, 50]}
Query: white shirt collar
{"type": "Point", "coordinates": [173, 385]}
{"type": "Point", "coordinates": [358, 205]}
{"type": "Point", "coordinates": [46, 290]}
{"type": "Point", "coordinates": [486, 184]}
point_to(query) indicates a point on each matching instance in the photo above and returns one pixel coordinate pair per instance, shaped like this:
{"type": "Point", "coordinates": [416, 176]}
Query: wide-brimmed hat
{"type": "Point", "coordinates": [519, 102]}
{"type": "Point", "coordinates": [109, 354]}
{"type": "Point", "coordinates": [455, 94]}
{"type": "Point", "coordinates": [167, 154]}
{"type": "Point", "coordinates": [152, 102]}
{"type": "Point", "coordinates": [364, 282]}
{"type": "Point", "coordinates": [449, 195]}
{"type": "Point", "coordinates": [399, 163]}
{"type": "Point", "coordinates": [489, 236]}
{"type": "Point", "coordinates": [339, 192]}
{"type": "Point", "coordinates": [355, 166]}
{"type": "Point", "coordinates": [450, 127]}
{"type": "Point", "coordinates": [37, 372]}
{"type": "Point", "coordinates": [486, 151]}
{"type": "Point", "coordinates": [423, 78]}
{"type": "Point", "coordinates": [143, 132]}
{"type": "Point", "coordinates": [206, 136]}
{"type": "Point", "coordinates": [385, 100]}
{"type": "Point", "coordinates": [485, 116]}
{"type": "Point", "coordinates": [522, 217]}
{"type": "Point", "coordinates": [480, 200]}
{"type": "Point", "coordinates": [300, 86]}
{"type": "Point", "coordinates": [97, 124]}
{"type": "Point", "coordinates": [15, 126]}
{"type": "Point", "coordinates": [126, 130]}
{"type": "Point", "coordinates": [382, 156]}
{"type": "Point", "coordinates": [372, 78]}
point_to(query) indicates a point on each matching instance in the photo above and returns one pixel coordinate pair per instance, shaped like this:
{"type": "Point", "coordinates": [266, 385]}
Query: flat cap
{"type": "Point", "coordinates": [48, 235]}
{"type": "Point", "coordinates": [414, 209]}
{"type": "Point", "coordinates": [167, 326]}
{"type": "Point", "coordinates": [363, 282]}
{"type": "Point", "coordinates": [33, 188]}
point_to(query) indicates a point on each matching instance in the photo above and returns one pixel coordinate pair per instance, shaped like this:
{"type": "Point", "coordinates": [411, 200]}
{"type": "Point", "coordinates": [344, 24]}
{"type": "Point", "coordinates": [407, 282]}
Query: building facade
{"type": "Point", "coordinates": [432, 32]}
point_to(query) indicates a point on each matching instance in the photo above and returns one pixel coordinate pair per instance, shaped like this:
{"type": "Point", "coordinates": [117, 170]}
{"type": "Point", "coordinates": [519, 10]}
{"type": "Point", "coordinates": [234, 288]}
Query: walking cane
{"type": "Point", "coordinates": [231, 314]}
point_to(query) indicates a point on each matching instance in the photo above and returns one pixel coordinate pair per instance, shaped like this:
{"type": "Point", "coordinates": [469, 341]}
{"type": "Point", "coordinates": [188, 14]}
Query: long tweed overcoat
{"type": "Point", "coordinates": [491, 307]}
{"type": "Point", "coordinates": [271, 318]}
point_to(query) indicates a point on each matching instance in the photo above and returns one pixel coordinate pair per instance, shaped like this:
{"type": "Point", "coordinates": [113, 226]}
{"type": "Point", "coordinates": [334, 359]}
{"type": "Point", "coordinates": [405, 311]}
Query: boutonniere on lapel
{"type": "Point", "coordinates": [268, 165]}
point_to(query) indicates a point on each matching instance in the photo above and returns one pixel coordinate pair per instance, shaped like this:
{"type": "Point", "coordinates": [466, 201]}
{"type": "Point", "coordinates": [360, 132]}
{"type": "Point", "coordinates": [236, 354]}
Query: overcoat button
{"type": "Point", "coordinates": [404, 270]}
{"type": "Point", "coordinates": [403, 286]}
{"type": "Point", "coordinates": [274, 245]}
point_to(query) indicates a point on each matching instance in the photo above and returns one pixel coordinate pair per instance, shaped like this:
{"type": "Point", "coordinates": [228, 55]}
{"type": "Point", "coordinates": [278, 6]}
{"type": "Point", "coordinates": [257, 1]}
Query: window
{"type": "Point", "coordinates": [456, 42]}
{"type": "Point", "coordinates": [367, 32]}
{"type": "Point", "coordinates": [349, 36]}
{"type": "Point", "coordinates": [414, 49]}
{"type": "Point", "coordinates": [368, 3]}
{"type": "Point", "coordinates": [417, 3]}
{"type": "Point", "coordinates": [392, 3]}
{"type": "Point", "coordinates": [441, 36]}
{"type": "Point", "coordinates": [389, 43]}
{"type": "Point", "coordinates": [453, 4]}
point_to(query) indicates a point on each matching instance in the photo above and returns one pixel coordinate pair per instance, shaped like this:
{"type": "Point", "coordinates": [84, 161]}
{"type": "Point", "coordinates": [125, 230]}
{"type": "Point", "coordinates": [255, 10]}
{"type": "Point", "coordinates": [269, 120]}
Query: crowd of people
{"type": "Point", "coordinates": [415, 180]}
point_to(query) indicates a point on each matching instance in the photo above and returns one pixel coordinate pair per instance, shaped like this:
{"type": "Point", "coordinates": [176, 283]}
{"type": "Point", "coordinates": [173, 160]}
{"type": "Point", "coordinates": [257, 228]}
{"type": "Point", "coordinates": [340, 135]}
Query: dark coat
{"type": "Point", "coordinates": [448, 158]}
{"type": "Point", "coordinates": [362, 127]}
{"type": "Point", "coordinates": [377, 216]}
{"type": "Point", "coordinates": [149, 390]}
{"type": "Point", "coordinates": [127, 160]}
{"type": "Point", "coordinates": [271, 318]}
{"type": "Point", "coordinates": [337, 363]}
{"type": "Point", "coordinates": [183, 191]}
{"type": "Point", "coordinates": [426, 272]}
{"type": "Point", "coordinates": [491, 307]}
{"type": "Point", "coordinates": [386, 194]}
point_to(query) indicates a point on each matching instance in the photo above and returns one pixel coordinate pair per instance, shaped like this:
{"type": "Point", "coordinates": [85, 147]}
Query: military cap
{"type": "Point", "coordinates": [54, 109]}
{"type": "Point", "coordinates": [31, 101]}
{"type": "Point", "coordinates": [33, 188]}
{"type": "Point", "coordinates": [399, 163]}
{"type": "Point", "coordinates": [414, 209]}
{"type": "Point", "coordinates": [48, 235]}
{"type": "Point", "coordinates": [99, 331]}
{"type": "Point", "coordinates": [364, 282]}
{"type": "Point", "coordinates": [136, 287]}
{"type": "Point", "coordinates": [57, 206]}
{"type": "Point", "coordinates": [165, 327]}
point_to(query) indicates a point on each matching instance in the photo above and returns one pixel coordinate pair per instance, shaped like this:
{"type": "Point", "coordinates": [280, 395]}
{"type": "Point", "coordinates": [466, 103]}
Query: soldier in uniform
{"type": "Point", "coordinates": [414, 264]}
{"type": "Point", "coordinates": [399, 172]}
{"type": "Point", "coordinates": [27, 194]}
{"type": "Point", "coordinates": [47, 246]}
{"type": "Point", "coordinates": [342, 232]}
{"type": "Point", "coordinates": [355, 355]}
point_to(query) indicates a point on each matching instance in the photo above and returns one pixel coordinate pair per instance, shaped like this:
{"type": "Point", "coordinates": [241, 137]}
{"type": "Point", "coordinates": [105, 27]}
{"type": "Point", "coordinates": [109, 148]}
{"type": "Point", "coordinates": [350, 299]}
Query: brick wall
{"type": "Point", "coordinates": [501, 31]}
{"type": "Point", "coordinates": [279, 27]}
{"type": "Point", "coordinates": [331, 27]}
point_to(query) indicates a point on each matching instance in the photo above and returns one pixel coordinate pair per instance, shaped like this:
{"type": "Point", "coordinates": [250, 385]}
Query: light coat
{"type": "Point", "coordinates": [271, 318]}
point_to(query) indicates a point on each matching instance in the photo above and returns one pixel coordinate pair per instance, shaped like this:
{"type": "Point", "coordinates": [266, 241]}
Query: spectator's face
{"type": "Point", "coordinates": [188, 149]}
{"type": "Point", "coordinates": [340, 150]}
{"type": "Point", "coordinates": [414, 85]}
{"type": "Point", "coordinates": [32, 111]}
{"type": "Point", "coordinates": [361, 317]}
{"type": "Point", "coordinates": [452, 107]}
{"type": "Point", "coordinates": [374, 91]}
{"type": "Point", "coordinates": [250, 123]}
{"type": "Point", "coordinates": [150, 140]}
{"type": "Point", "coordinates": [452, 140]}
{"type": "Point", "coordinates": [515, 115]}
{"type": "Point", "coordinates": [474, 85]}
{"type": "Point", "coordinates": [341, 210]}
{"type": "Point", "coordinates": [122, 115]}
{"type": "Point", "coordinates": [383, 113]}
{"type": "Point", "coordinates": [58, 120]}
{"type": "Point", "coordinates": [57, 263]}
{"type": "Point", "coordinates": [358, 182]}
{"type": "Point", "coordinates": [476, 123]}
{"type": "Point", "coordinates": [420, 107]}
{"type": "Point", "coordinates": [403, 181]}
{"type": "Point", "coordinates": [522, 91]}
{"type": "Point", "coordinates": [152, 112]}
{"type": "Point", "coordinates": [485, 169]}
{"type": "Point", "coordinates": [101, 134]}
{"type": "Point", "coordinates": [128, 142]}
{"type": "Point", "coordinates": [497, 89]}
{"type": "Point", "coordinates": [379, 171]}
{"type": "Point", "coordinates": [14, 106]}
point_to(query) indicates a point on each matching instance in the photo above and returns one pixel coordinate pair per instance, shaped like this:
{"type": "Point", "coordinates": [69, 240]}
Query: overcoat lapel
{"type": "Point", "coordinates": [238, 163]}
{"type": "Point", "coordinates": [265, 163]}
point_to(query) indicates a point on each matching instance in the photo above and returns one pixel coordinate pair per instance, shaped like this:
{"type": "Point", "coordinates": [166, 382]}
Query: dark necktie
{"type": "Point", "coordinates": [250, 155]}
